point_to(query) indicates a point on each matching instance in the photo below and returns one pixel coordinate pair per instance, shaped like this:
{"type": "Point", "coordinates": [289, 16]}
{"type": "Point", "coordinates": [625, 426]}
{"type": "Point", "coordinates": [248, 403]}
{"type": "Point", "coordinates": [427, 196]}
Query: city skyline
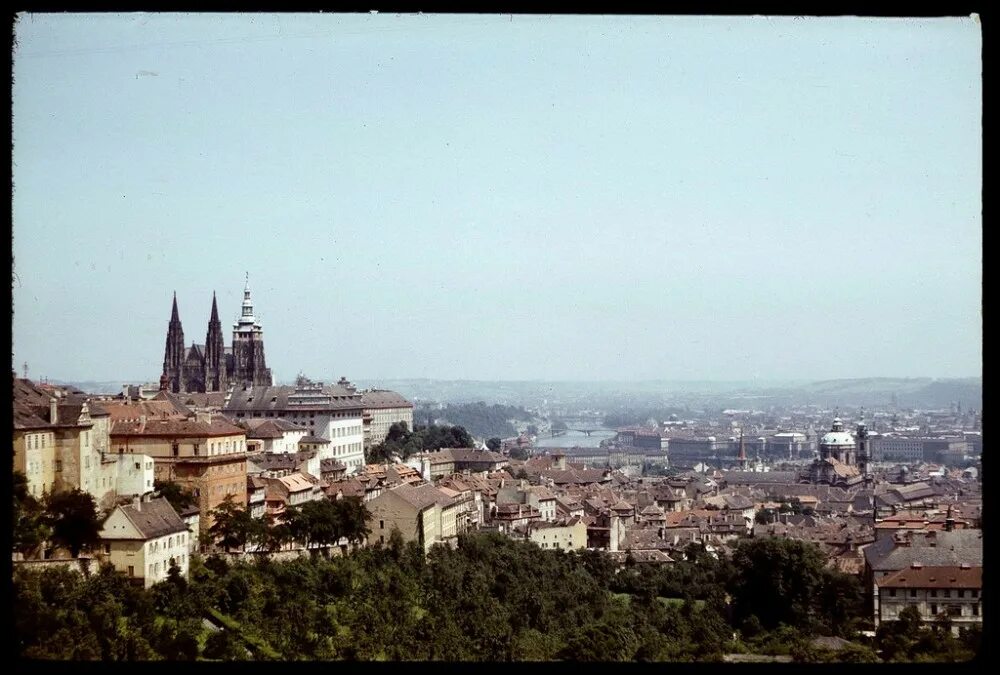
{"type": "Point", "coordinates": [501, 198]}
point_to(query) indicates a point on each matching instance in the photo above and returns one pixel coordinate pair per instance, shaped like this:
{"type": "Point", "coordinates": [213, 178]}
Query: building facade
{"type": "Point", "coordinates": [144, 539]}
{"type": "Point", "coordinates": [208, 456]}
{"type": "Point", "coordinates": [329, 412]}
{"type": "Point", "coordinates": [382, 409]}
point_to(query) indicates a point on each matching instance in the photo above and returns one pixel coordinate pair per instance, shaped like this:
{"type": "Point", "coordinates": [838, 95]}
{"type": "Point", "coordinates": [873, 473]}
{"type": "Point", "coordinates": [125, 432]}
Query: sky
{"type": "Point", "coordinates": [501, 197]}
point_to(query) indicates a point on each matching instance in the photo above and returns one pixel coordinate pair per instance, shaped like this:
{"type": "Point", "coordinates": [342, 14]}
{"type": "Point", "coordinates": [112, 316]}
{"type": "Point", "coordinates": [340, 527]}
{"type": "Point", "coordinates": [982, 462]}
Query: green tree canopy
{"type": "Point", "coordinates": [29, 527]}
{"type": "Point", "coordinates": [180, 497]}
{"type": "Point", "coordinates": [73, 519]}
{"type": "Point", "coordinates": [234, 527]}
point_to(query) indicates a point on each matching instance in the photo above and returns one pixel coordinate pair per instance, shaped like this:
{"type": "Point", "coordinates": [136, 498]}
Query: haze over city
{"type": "Point", "coordinates": [497, 197]}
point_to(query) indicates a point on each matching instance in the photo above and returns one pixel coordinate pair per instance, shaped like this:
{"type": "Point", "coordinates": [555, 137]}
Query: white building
{"type": "Point", "coordinates": [382, 409]}
{"type": "Point", "coordinates": [134, 474]}
{"type": "Point", "coordinates": [144, 539]}
{"type": "Point", "coordinates": [275, 435]}
{"type": "Point", "coordinates": [567, 535]}
{"type": "Point", "coordinates": [332, 412]}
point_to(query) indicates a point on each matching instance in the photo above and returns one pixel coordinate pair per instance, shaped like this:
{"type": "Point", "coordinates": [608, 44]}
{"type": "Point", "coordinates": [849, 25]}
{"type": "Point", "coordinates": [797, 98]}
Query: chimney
{"type": "Point", "coordinates": [917, 565]}
{"type": "Point", "coordinates": [137, 502]}
{"type": "Point", "coordinates": [53, 412]}
{"type": "Point", "coordinates": [965, 566]}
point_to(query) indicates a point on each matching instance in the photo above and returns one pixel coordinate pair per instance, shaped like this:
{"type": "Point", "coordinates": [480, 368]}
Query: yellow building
{"type": "Point", "coordinates": [206, 454]}
{"type": "Point", "coordinates": [421, 513]}
{"type": "Point", "coordinates": [567, 535]}
{"type": "Point", "coordinates": [144, 539]}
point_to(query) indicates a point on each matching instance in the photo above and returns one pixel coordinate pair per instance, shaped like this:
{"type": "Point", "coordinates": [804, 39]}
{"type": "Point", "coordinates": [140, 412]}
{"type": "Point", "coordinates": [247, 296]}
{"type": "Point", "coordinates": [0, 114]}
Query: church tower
{"type": "Point", "coordinates": [249, 367]}
{"type": "Point", "coordinates": [215, 353]}
{"type": "Point", "coordinates": [742, 457]}
{"type": "Point", "coordinates": [864, 454]}
{"type": "Point", "coordinates": [173, 357]}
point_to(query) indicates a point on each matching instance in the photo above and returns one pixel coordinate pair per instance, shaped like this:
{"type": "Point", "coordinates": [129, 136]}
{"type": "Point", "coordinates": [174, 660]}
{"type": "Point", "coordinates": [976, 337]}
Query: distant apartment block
{"type": "Point", "coordinates": [382, 409]}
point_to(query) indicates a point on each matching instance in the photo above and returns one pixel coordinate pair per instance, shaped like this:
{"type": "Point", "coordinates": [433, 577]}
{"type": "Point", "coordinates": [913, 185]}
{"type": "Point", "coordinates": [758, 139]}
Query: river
{"type": "Point", "coordinates": [572, 439]}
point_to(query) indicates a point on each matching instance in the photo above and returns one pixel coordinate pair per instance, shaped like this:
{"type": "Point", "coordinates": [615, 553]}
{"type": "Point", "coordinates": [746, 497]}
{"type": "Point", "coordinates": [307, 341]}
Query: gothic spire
{"type": "Point", "coordinates": [215, 310]}
{"type": "Point", "coordinates": [174, 316]}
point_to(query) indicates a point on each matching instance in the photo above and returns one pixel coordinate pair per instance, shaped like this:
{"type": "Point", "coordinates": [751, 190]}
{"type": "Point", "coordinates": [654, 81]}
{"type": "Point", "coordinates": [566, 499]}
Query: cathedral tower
{"type": "Point", "coordinates": [173, 357]}
{"type": "Point", "coordinates": [215, 353]}
{"type": "Point", "coordinates": [249, 367]}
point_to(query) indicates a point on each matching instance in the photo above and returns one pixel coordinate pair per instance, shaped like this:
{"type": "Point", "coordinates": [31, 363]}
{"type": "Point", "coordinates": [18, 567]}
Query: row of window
{"type": "Point", "coordinates": [227, 489]}
{"type": "Point", "coordinates": [154, 546]}
{"type": "Point", "coordinates": [37, 441]}
{"type": "Point", "coordinates": [154, 568]}
{"type": "Point", "coordinates": [347, 449]}
{"type": "Point", "coordinates": [346, 431]}
{"type": "Point", "coordinates": [973, 593]}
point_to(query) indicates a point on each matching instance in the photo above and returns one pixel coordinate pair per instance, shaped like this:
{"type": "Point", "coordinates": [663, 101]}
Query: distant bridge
{"type": "Point", "coordinates": [582, 431]}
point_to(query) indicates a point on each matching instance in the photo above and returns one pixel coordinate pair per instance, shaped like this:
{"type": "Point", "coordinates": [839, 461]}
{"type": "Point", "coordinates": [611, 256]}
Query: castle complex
{"type": "Point", "coordinates": [213, 366]}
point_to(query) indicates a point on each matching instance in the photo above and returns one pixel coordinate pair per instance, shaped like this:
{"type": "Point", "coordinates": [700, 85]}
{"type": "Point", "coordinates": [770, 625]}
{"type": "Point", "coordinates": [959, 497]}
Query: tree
{"type": "Point", "coordinates": [30, 530]}
{"type": "Point", "coordinates": [233, 526]}
{"type": "Point", "coordinates": [517, 452]}
{"type": "Point", "coordinates": [494, 444]}
{"type": "Point", "coordinates": [778, 580]}
{"type": "Point", "coordinates": [179, 496]}
{"type": "Point", "coordinates": [72, 516]}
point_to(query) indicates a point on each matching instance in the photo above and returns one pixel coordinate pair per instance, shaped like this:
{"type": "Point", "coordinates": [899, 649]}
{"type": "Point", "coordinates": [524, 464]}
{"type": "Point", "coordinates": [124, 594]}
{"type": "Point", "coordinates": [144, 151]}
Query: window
{"type": "Point", "coordinates": [107, 548]}
{"type": "Point", "coordinates": [933, 610]}
{"type": "Point", "coordinates": [381, 524]}
{"type": "Point", "coordinates": [975, 609]}
{"type": "Point", "coordinates": [961, 593]}
{"type": "Point", "coordinates": [913, 593]}
{"type": "Point", "coordinates": [947, 593]}
{"type": "Point", "coordinates": [131, 571]}
{"type": "Point", "coordinates": [975, 593]}
{"type": "Point", "coordinates": [892, 592]}
{"type": "Point", "coordinates": [933, 593]}
{"type": "Point", "coordinates": [175, 449]}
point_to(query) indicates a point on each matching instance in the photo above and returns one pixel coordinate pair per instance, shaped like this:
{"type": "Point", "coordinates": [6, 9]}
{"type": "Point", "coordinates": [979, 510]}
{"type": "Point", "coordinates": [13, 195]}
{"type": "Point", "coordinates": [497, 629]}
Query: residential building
{"type": "Point", "coordinates": [952, 591]}
{"type": "Point", "coordinates": [382, 409]}
{"type": "Point", "coordinates": [331, 412]}
{"type": "Point", "coordinates": [62, 444]}
{"type": "Point", "coordinates": [445, 461]}
{"type": "Point", "coordinates": [275, 435]}
{"type": "Point", "coordinates": [144, 539]}
{"type": "Point", "coordinates": [206, 454]}
{"type": "Point", "coordinates": [567, 535]}
{"type": "Point", "coordinates": [421, 513]}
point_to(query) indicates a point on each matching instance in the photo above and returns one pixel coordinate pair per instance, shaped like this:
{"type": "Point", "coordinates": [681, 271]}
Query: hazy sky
{"type": "Point", "coordinates": [497, 197]}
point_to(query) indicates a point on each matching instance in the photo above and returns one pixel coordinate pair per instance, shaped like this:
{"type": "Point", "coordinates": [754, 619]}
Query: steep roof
{"type": "Point", "coordinates": [420, 496]}
{"type": "Point", "coordinates": [155, 518]}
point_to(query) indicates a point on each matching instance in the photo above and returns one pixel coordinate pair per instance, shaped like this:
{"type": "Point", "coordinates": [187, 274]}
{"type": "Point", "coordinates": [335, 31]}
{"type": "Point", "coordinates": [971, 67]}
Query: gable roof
{"type": "Point", "coordinates": [420, 497]}
{"type": "Point", "coordinates": [155, 518]}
